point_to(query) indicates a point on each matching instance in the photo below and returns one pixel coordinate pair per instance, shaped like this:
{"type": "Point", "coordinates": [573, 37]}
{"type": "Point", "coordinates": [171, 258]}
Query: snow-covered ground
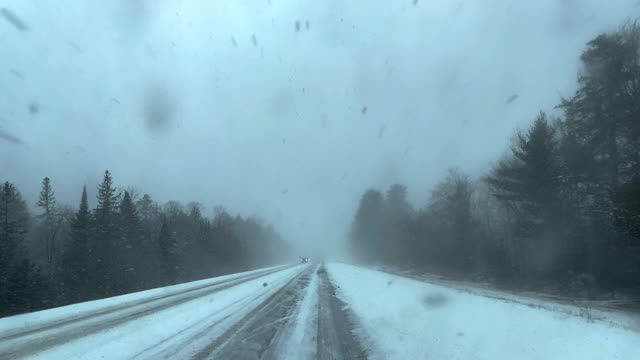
{"type": "Point", "coordinates": [292, 313]}
{"type": "Point", "coordinates": [299, 338]}
{"type": "Point", "coordinates": [38, 319]}
{"type": "Point", "coordinates": [594, 309]}
{"type": "Point", "coordinates": [402, 318]}
{"type": "Point", "coordinates": [177, 330]}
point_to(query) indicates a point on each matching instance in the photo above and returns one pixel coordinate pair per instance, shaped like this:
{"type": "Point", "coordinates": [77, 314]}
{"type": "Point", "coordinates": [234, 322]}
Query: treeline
{"type": "Point", "coordinates": [559, 212]}
{"type": "Point", "coordinates": [126, 243]}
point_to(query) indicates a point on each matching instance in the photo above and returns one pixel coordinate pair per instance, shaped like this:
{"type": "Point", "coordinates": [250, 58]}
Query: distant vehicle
{"type": "Point", "coordinates": [304, 259]}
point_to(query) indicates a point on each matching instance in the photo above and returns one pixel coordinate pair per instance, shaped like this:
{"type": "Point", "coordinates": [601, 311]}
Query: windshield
{"type": "Point", "coordinates": [320, 179]}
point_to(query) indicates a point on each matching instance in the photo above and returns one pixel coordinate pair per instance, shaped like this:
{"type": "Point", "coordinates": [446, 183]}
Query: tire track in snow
{"type": "Point", "coordinates": [192, 340]}
{"type": "Point", "coordinates": [252, 336]}
{"type": "Point", "coordinates": [303, 320]}
{"type": "Point", "coordinates": [336, 340]}
{"type": "Point", "coordinates": [298, 341]}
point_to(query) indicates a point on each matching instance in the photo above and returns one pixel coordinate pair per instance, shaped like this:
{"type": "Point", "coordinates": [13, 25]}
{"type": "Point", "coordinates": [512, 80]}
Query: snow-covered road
{"type": "Point", "coordinates": [311, 311]}
{"type": "Point", "coordinates": [145, 324]}
{"type": "Point", "coordinates": [287, 312]}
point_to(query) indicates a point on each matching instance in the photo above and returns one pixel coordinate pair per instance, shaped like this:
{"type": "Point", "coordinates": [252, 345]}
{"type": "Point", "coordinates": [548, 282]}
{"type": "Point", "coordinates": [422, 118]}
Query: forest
{"type": "Point", "coordinates": [559, 212]}
{"type": "Point", "coordinates": [58, 255]}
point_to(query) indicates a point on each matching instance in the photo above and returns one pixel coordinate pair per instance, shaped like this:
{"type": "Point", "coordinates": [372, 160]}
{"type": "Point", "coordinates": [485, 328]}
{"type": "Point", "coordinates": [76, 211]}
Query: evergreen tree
{"type": "Point", "coordinates": [105, 239]}
{"type": "Point", "coordinates": [453, 223]}
{"type": "Point", "coordinates": [150, 222]}
{"type": "Point", "coordinates": [529, 180]}
{"type": "Point", "coordinates": [195, 211]}
{"type": "Point", "coordinates": [603, 112]}
{"type": "Point", "coordinates": [26, 290]}
{"type": "Point", "coordinates": [121, 246]}
{"type": "Point", "coordinates": [228, 245]}
{"type": "Point", "coordinates": [398, 220]}
{"type": "Point", "coordinates": [167, 249]}
{"type": "Point", "coordinates": [529, 183]}
{"type": "Point", "coordinates": [47, 200]}
{"type": "Point", "coordinates": [602, 124]}
{"type": "Point", "coordinates": [366, 230]}
{"type": "Point", "coordinates": [78, 255]}
{"type": "Point", "coordinates": [13, 225]}
{"type": "Point", "coordinates": [147, 209]}
{"type": "Point", "coordinates": [130, 245]}
{"type": "Point", "coordinates": [50, 226]}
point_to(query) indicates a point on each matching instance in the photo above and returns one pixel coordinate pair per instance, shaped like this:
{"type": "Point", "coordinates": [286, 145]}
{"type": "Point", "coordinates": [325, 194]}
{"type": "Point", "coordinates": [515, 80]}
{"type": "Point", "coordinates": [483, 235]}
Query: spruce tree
{"type": "Point", "coordinates": [367, 227]}
{"type": "Point", "coordinates": [150, 223]}
{"type": "Point", "coordinates": [529, 183]}
{"type": "Point", "coordinates": [130, 245]}
{"type": "Point", "coordinates": [47, 200]}
{"type": "Point", "coordinates": [167, 250]}
{"type": "Point", "coordinates": [26, 289]}
{"type": "Point", "coordinates": [78, 255]}
{"type": "Point", "coordinates": [398, 217]}
{"type": "Point", "coordinates": [105, 239]}
{"type": "Point", "coordinates": [13, 225]}
{"type": "Point", "coordinates": [50, 225]}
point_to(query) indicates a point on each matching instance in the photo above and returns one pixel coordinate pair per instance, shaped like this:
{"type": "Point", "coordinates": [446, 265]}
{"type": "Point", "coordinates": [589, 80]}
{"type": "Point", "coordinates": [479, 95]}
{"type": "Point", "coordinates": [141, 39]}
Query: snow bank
{"type": "Point", "coordinates": [409, 319]}
{"type": "Point", "coordinates": [595, 309]}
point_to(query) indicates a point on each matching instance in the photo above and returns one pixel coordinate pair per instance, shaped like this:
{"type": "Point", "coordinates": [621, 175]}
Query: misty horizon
{"type": "Point", "coordinates": [284, 111]}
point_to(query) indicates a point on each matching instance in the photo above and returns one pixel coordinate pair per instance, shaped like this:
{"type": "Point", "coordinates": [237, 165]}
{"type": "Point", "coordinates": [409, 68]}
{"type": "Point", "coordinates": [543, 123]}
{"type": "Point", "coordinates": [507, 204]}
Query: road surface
{"type": "Point", "coordinates": [314, 311]}
{"type": "Point", "coordinates": [284, 312]}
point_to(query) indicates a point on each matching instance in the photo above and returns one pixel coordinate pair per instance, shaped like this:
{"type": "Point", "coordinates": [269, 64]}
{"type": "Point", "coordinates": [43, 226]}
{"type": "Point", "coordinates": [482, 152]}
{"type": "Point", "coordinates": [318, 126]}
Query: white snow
{"type": "Point", "coordinates": [19, 323]}
{"type": "Point", "coordinates": [593, 308]}
{"type": "Point", "coordinates": [403, 318]}
{"type": "Point", "coordinates": [301, 341]}
{"type": "Point", "coordinates": [177, 331]}
{"type": "Point", "coordinates": [397, 318]}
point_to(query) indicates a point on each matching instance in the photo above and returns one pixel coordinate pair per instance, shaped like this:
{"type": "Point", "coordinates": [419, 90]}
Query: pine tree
{"type": "Point", "coordinates": [129, 220]}
{"type": "Point", "coordinates": [26, 290]}
{"type": "Point", "coordinates": [529, 183]}
{"type": "Point", "coordinates": [13, 225]}
{"type": "Point", "coordinates": [47, 200]}
{"type": "Point", "coordinates": [603, 112]}
{"type": "Point", "coordinates": [398, 225]}
{"type": "Point", "coordinates": [146, 208]}
{"type": "Point", "coordinates": [105, 239]}
{"type": "Point", "coordinates": [150, 223]}
{"type": "Point", "coordinates": [195, 211]}
{"type": "Point", "coordinates": [50, 225]}
{"type": "Point", "coordinates": [366, 230]}
{"type": "Point", "coordinates": [167, 249]}
{"type": "Point", "coordinates": [78, 255]}
{"type": "Point", "coordinates": [130, 245]}
{"type": "Point", "coordinates": [232, 250]}
{"type": "Point", "coordinates": [531, 178]}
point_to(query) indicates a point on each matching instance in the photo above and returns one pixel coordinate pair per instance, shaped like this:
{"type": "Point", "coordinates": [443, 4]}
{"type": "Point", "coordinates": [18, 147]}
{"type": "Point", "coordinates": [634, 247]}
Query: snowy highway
{"type": "Point", "coordinates": [269, 313]}
{"type": "Point", "coordinates": [313, 311]}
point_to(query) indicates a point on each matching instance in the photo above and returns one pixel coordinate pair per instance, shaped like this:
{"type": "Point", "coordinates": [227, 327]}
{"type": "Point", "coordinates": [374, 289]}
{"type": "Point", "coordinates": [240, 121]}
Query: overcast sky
{"type": "Point", "coordinates": [259, 105]}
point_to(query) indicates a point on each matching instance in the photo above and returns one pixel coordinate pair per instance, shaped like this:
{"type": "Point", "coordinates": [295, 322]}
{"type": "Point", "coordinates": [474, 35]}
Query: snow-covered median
{"type": "Point", "coordinates": [408, 319]}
